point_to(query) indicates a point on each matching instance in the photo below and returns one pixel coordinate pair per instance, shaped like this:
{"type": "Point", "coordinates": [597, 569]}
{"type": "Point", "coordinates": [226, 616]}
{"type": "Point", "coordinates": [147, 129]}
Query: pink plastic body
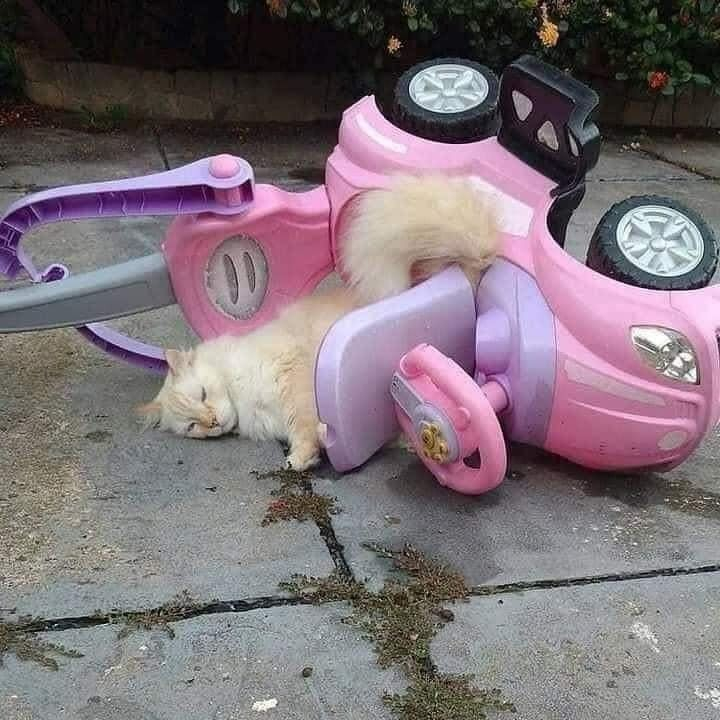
{"type": "Point", "coordinates": [610, 410]}
{"type": "Point", "coordinates": [471, 412]}
{"type": "Point", "coordinates": [371, 150]}
{"type": "Point", "coordinates": [290, 228]}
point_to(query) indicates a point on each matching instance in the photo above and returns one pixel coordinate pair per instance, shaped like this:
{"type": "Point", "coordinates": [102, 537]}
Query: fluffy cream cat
{"type": "Point", "coordinates": [261, 385]}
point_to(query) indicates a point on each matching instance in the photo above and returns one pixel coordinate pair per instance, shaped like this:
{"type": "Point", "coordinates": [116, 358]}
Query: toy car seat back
{"type": "Point", "coordinates": [361, 352]}
{"type": "Point", "coordinates": [548, 121]}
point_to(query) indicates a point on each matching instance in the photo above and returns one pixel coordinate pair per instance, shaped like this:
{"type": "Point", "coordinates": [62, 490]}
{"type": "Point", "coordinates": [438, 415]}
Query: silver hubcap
{"type": "Point", "coordinates": [448, 88]}
{"type": "Point", "coordinates": [659, 240]}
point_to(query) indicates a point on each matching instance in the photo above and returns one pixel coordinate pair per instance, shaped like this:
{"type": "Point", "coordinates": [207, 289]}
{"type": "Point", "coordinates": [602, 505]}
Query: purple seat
{"type": "Point", "coordinates": [361, 352]}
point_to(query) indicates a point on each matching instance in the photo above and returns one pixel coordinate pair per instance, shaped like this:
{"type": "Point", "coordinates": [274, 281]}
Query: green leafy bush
{"type": "Point", "coordinates": [660, 44]}
{"type": "Point", "coordinates": [495, 30]}
{"type": "Point", "coordinates": [11, 80]}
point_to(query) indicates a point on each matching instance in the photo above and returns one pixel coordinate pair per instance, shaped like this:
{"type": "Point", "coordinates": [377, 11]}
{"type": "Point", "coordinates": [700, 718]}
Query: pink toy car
{"type": "Point", "coordinates": [613, 365]}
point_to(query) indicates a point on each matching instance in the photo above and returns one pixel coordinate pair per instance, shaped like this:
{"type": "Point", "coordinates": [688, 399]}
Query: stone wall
{"type": "Point", "coordinates": [226, 95]}
{"type": "Point", "coordinates": [691, 107]}
{"type": "Point", "coordinates": [222, 95]}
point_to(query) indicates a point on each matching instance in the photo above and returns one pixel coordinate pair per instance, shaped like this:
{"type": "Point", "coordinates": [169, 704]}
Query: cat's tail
{"type": "Point", "coordinates": [414, 228]}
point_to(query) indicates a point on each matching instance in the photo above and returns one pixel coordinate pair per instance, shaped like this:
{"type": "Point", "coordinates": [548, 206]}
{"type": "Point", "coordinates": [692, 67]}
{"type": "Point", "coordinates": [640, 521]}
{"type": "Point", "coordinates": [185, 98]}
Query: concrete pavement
{"type": "Point", "coordinates": [591, 596]}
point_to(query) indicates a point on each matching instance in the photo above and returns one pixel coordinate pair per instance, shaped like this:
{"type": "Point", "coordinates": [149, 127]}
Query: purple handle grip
{"type": "Point", "coordinates": [222, 184]}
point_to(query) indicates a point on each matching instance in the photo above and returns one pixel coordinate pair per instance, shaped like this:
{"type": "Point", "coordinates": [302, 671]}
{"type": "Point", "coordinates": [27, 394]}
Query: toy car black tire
{"type": "Point", "coordinates": [667, 247]}
{"type": "Point", "coordinates": [450, 122]}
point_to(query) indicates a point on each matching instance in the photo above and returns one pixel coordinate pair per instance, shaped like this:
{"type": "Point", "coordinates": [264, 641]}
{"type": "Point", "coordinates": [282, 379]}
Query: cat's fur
{"type": "Point", "coordinates": [261, 385]}
{"type": "Point", "coordinates": [415, 228]}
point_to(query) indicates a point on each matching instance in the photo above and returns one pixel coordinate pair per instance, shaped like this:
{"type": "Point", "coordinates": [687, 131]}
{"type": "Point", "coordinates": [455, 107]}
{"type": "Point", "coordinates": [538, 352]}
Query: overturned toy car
{"type": "Point", "coordinates": [613, 364]}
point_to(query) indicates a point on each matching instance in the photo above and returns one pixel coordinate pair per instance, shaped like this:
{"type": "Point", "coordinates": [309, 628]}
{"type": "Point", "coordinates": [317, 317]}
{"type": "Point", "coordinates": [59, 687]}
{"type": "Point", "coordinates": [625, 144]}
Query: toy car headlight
{"type": "Point", "coordinates": [666, 351]}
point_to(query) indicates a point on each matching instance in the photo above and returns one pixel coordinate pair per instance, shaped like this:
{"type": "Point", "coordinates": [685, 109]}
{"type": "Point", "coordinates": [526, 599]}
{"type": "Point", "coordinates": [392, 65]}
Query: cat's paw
{"type": "Point", "coordinates": [322, 433]}
{"type": "Point", "coordinates": [300, 461]}
{"type": "Point", "coordinates": [402, 442]}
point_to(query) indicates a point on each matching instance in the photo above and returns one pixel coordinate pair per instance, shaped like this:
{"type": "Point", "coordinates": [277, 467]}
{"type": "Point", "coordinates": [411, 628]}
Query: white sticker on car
{"type": "Point", "coordinates": [515, 216]}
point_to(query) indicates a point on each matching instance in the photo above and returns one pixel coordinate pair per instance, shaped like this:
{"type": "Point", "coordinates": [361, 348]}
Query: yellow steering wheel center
{"type": "Point", "coordinates": [434, 443]}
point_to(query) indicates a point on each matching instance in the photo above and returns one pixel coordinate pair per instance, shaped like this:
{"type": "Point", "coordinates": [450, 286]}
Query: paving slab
{"type": "Point", "coordinates": [619, 162]}
{"type": "Point", "coordinates": [700, 195]}
{"type": "Point", "coordinates": [59, 156]}
{"type": "Point", "coordinates": [548, 520]}
{"type": "Point", "coordinates": [700, 155]}
{"type": "Point", "coordinates": [96, 514]}
{"type": "Point", "coordinates": [217, 667]}
{"type": "Point", "coordinates": [276, 152]}
{"type": "Point", "coordinates": [647, 650]}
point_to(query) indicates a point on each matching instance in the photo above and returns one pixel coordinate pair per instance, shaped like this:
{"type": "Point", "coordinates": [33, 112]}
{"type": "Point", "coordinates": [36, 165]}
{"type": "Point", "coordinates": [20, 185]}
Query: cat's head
{"type": "Point", "coordinates": [194, 400]}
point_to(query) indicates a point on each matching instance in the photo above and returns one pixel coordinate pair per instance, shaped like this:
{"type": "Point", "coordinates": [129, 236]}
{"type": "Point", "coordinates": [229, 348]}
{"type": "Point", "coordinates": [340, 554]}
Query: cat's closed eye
{"type": "Point", "coordinates": [190, 427]}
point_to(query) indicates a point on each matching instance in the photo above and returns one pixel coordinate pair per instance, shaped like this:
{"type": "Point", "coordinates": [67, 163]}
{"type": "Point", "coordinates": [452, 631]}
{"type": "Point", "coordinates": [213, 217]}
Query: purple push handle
{"type": "Point", "coordinates": [222, 184]}
{"type": "Point", "coordinates": [125, 348]}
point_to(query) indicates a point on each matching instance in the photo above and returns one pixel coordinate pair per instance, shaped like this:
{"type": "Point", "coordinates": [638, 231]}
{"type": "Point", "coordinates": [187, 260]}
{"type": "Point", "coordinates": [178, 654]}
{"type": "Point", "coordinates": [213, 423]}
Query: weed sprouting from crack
{"type": "Point", "coordinates": [179, 608]}
{"type": "Point", "coordinates": [28, 648]}
{"type": "Point", "coordinates": [429, 579]}
{"type": "Point", "coordinates": [295, 498]}
{"type": "Point", "coordinates": [318, 591]}
{"type": "Point", "coordinates": [299, 506]}
{"type": "Point", "coordinates": [446, 696]}
{"type": "Point", "coordinates": [401, 620]}
{"type": "Point", "coordinates": [286, 476]}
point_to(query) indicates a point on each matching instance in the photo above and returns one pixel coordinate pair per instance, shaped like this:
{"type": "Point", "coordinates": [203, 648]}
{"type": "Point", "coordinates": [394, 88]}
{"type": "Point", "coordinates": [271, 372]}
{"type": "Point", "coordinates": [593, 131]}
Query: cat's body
{"type": "Point", "coordinates": [261, 385]}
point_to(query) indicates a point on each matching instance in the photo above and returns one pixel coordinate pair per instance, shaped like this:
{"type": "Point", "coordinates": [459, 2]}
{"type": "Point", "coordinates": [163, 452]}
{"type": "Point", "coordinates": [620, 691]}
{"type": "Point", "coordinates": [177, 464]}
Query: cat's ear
{"type": "Point", "coordinates": [150, 414]}
{"type": "Point", "coordinates": [177, 360]}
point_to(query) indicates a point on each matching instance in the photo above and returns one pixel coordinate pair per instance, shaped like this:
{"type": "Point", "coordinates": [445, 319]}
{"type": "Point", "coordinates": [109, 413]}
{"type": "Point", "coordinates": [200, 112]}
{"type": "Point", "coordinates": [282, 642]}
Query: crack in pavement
{"type": "Point", "coordinates": [333, 545]}
{"type": "Point", "coordinates": [160, 147]}
{"type": "Point", "coordinates": [214, 607]}
{"type": "Point", "coordinates": [321, 516]}
{"type": "Point", "coordinates": [678, 163]}
{"type": "Point", "coordinates": [667, 178]}
{"type": "Point", "coordinates": [521, 586]}
{"type": "Point", "coordinates": [335, 548]}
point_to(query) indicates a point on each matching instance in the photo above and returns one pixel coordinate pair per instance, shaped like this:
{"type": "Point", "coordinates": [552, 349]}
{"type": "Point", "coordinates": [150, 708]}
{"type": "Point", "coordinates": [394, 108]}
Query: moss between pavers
{"type": "Point", "coordinates": [445, 697]}
{"type": "Point", "coordinates": [27, 647]}
{"type": "Point", "coordinates": [401, 620]}
{"type": "Point", "coordinates": [295, 499]}
{"type": "Point", "coordinates": [179, 608]}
